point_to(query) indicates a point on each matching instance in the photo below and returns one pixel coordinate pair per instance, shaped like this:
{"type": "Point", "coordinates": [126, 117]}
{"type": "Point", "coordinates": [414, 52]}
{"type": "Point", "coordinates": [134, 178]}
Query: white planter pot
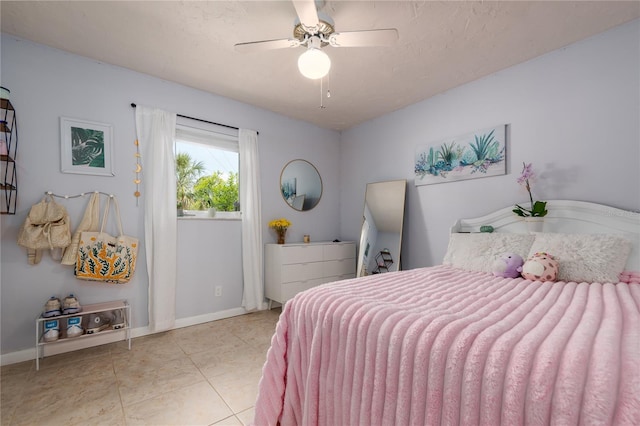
{"type": "Point", "coordinates": [534, 224]}
{"type": "Point", "coordinates": [211, 211]}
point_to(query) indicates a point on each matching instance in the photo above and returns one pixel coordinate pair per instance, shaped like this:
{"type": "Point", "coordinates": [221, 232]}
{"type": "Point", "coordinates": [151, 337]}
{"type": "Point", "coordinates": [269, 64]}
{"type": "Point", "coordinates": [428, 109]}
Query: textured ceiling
{"type": "Point", "coordinates": [441, 45]}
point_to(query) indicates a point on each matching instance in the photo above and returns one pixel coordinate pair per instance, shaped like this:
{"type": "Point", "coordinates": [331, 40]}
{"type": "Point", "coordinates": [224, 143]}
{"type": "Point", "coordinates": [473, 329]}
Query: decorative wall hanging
{"type": "Point", "coordinates": [473, 155]}
{"type": "Point", "coordinates": [86, 147]}
{"type": "Point", "coordinates": [137, 171]}
{"type": "Point", "coordinates": [288, 187]}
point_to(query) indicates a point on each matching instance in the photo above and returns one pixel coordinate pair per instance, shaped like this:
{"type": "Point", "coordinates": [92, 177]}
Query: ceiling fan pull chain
{"type": "Point", "coordinates": [321, 97]}
{"type": "Point", "coordinates": [328, 83]}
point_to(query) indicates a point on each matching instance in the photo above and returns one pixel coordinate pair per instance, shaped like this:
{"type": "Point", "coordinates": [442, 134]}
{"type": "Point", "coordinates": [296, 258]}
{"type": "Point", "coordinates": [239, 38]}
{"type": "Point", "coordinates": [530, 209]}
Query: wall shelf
{"type": "Point", "coordinates": [8, 152]}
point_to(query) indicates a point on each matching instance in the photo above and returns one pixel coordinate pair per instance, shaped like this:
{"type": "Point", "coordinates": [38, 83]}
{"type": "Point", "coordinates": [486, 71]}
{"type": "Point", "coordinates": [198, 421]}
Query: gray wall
{"type": "Point", "coordinates": [45, 84]}
{"type": "Point", "coordinates": [574, 113]}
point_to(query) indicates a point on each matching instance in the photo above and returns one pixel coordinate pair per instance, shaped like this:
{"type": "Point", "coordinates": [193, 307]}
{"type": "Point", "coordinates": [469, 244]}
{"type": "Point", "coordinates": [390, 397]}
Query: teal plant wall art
{"type": "Point", "coordinates": [86, 147]}
{"type": "Point", "coordinates": [470, 156]}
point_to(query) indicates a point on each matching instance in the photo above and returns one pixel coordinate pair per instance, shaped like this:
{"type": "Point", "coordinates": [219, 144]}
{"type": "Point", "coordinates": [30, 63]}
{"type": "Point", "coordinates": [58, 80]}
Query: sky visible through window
{"type": "Point", "coordinates": [213, 158]}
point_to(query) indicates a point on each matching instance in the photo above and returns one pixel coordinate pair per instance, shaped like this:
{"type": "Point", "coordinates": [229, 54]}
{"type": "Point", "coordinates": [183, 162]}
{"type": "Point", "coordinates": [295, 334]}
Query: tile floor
{"type": "Point", "coordinates": [206, 374]}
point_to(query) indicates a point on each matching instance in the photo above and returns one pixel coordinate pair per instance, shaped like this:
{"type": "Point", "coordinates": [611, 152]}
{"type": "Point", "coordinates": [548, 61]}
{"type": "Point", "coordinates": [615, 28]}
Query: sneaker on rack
{"type": "Point", "coordinates": [51, 330]}
{"type": "Point", "coordinates": [71, 305]}
{"type": "Point", "coordinates": [52, 308]}
{"type": "Point", "coordinates": [118, 319]}
{"type": "Point", "coordinates": [74, 327]}
{"type": "Point", "coordinates": [98, 322]}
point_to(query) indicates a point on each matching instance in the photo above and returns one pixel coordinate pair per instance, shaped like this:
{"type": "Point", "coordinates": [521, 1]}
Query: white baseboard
{"type": "Point", "coordinates": [201, 319]}
{"type": "Point", "coordinates": [30, 354]}
{"type": "Point", "coordinates": [19, 356]}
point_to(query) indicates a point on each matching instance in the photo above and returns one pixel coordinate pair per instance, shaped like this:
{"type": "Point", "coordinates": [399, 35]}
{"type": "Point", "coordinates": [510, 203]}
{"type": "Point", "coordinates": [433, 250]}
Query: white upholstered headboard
{"type": "Point", "coordinates": [568, 217]}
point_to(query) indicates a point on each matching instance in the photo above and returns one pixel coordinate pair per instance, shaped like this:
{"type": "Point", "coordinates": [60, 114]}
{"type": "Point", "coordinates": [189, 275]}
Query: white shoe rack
{"type": "Point", "coordinates": [68, 344]}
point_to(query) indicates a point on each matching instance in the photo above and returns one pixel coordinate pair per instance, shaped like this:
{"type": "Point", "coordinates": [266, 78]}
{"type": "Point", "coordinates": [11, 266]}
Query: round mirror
{"type": "Point", "coordinates": [300, 185]}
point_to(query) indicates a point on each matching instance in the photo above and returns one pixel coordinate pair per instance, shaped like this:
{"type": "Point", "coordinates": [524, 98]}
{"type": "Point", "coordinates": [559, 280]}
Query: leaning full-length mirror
{"type": "Point", "coordinates": [300, 185]}
{"type": "Point", "coordinates": [381, 235]}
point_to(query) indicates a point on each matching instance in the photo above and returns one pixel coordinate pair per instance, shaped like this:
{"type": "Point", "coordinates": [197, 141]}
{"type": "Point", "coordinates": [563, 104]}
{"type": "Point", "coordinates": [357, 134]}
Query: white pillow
{"type": "Point", "coordinates": [585, 257]}
{"type": "Point", "coordinates": [478, 251]}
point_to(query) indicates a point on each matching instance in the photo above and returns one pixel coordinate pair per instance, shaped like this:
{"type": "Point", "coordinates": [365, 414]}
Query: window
{"type": "Point", "coordinates": [207, 172]}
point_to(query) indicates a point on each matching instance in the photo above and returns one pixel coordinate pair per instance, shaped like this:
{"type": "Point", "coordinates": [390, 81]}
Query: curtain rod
{"type": "Point", "coordinates": [201, 120]}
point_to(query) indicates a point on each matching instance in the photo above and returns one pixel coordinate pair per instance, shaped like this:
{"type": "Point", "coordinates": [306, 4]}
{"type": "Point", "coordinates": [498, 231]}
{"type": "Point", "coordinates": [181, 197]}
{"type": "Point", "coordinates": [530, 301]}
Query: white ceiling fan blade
{"type": "Point", "coordinates": [256, 46]}
{"type": "Point", "coordinates": [307, 13]}
{"type": "Point", "coordinates": [364, 38]}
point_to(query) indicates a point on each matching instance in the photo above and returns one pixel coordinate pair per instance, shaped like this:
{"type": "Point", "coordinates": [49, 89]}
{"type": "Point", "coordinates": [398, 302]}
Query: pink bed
{"type": "Point", "coordinates": [443, 345]}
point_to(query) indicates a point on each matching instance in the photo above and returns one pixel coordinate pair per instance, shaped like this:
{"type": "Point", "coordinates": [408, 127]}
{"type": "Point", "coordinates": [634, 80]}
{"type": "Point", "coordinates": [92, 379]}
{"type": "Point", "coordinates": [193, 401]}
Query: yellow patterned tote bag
{"type": "Point", "coordinates": [102, 257]}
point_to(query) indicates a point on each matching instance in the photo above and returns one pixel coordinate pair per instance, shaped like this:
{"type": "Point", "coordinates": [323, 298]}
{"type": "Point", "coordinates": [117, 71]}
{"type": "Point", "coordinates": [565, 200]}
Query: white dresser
{"type": "Point", "coordinates": [292, 268]}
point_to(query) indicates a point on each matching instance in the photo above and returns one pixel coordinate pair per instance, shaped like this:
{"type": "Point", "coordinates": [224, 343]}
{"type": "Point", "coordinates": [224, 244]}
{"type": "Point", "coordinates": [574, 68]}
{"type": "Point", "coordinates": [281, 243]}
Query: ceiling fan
{"type": "Point", "coordinates": [316, 32]}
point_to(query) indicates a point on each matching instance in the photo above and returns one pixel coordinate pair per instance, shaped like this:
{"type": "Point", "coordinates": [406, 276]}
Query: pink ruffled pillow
{"type": "Point", "coordinates": [630, 277]}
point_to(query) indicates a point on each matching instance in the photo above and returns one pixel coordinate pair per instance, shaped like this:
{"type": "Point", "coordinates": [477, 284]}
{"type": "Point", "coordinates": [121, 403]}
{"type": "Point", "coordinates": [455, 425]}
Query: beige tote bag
{"type": "Point", "coordinates": [90, 222]}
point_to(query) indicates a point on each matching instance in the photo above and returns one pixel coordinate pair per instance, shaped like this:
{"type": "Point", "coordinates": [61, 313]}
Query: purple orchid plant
{"type": "Point", "coordinates": [538, 208]}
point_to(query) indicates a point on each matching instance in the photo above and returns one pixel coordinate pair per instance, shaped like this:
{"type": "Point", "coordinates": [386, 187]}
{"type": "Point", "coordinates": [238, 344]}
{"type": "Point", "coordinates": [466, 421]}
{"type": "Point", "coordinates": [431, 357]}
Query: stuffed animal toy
{"type": "Point", "coordinates": [540, 267]}
{"type": "Point", "coordinates": [508, 265]}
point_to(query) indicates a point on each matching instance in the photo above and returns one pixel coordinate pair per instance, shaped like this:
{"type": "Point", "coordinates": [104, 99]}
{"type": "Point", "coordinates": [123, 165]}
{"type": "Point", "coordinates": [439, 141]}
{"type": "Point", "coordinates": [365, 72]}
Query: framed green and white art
{"type": "Point", "coordinates": [86, 147]}
{"type": "Point", "coordinates": [470, 156]}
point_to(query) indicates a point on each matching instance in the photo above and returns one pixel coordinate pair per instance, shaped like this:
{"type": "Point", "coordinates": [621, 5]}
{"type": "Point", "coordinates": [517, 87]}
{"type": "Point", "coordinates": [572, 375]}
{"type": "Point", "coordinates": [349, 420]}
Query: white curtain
{"type": "Point", "coordinates": [253, 292]}
{"type": "Point", "coordinates": [156, 133]}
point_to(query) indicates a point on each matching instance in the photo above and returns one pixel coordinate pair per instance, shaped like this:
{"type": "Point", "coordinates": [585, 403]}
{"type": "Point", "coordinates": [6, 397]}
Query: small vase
{"type": "Point", "coordinates": [534, 224]}
{"type": "Point", "coordinates": [211, 211]}
{"type": "Point", "coordinates": [281, 233]}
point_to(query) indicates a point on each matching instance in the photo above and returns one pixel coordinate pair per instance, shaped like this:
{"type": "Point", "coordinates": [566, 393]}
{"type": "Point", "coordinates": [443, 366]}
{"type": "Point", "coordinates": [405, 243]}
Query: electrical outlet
{"type": "Point", "coordinates": [218, 291]}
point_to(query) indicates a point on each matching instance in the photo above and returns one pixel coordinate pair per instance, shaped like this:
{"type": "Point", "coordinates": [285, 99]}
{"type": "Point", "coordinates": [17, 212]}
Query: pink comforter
{"type": "Point", "coordinates": [443, 346]}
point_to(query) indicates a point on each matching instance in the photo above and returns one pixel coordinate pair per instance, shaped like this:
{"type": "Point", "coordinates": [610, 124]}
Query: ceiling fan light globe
{"type": "Point", "coordinates": [314, 63]}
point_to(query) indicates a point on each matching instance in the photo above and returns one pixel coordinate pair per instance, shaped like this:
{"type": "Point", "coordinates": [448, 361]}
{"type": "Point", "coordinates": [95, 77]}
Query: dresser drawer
{"type": "Point", "coordinates": [292, 268]}
{"type": "Point", "coordinates": [301, 254]}
{"type": "Point", "coordinates": [341, 277]}
{"type": "Point", "coordinates": [339, 251]}
{"type": "Point", "coordinates": [302, 271]}
{"type": "Point", "coordinates": [345, 277]}
{"type": "Point", "coordinates": [334, 268]}
{"type": "Point", "coordinates": [289, 290]}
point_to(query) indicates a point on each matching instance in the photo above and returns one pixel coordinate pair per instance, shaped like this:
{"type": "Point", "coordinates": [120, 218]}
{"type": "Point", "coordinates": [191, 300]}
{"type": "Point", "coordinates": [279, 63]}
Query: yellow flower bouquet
{"type": "Point", "coordinates": [280, 225]}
